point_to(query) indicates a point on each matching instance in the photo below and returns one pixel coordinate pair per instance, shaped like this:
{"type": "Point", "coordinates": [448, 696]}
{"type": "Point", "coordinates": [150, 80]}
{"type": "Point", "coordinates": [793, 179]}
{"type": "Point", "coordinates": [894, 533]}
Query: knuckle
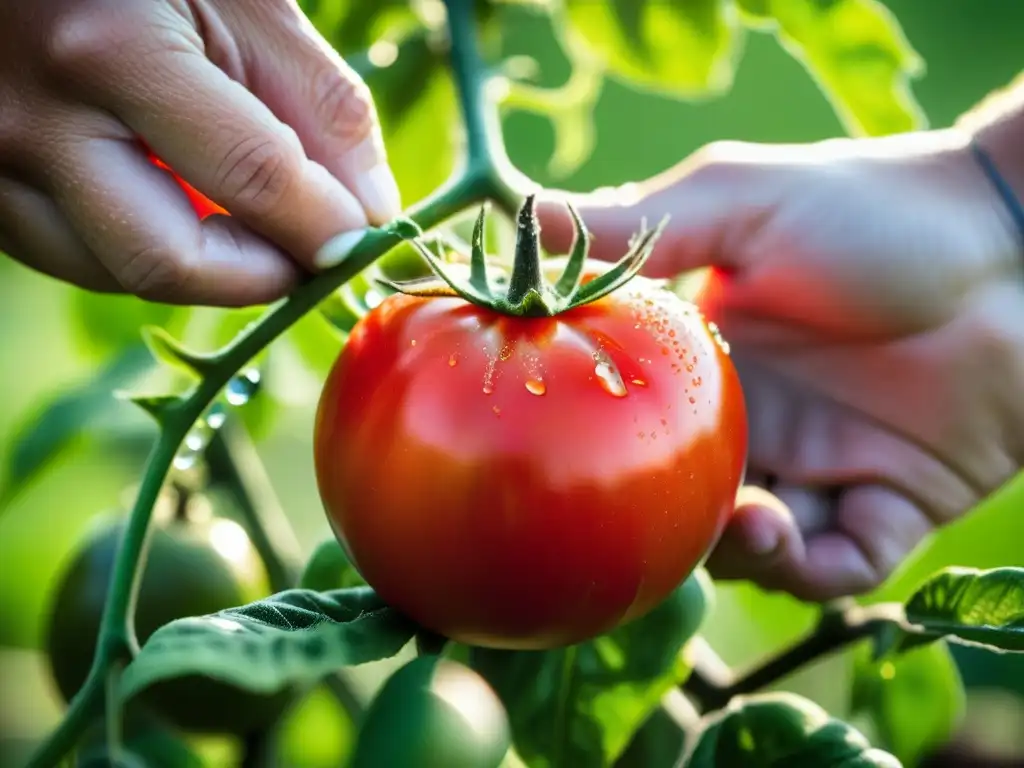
{"type": "Point", "coordinates": [344, 105]}
{"type": "Point", "coordinates": [155, 274]}
{"type": "Point", "coordinates": [259, 172]}
{"type": "Point", "coordinates": [78, 39]}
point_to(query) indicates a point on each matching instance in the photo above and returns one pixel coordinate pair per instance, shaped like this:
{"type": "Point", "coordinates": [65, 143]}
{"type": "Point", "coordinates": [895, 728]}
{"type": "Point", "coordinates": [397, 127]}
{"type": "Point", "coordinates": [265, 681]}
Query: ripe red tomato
{"type": "Point", "coordinates": [201, 204]}
{"type": "Point", "coordinates": [530, 482]}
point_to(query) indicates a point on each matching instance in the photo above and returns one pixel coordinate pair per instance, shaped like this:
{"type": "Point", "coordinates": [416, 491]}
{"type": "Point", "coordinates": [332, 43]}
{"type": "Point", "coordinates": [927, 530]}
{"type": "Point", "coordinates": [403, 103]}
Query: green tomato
{"type": "Point", "coordinates": [434, 713]}
{"type": "Point", "coordinates": [782, 730]}
{"type": "Point", "coordinates": [198, 564]}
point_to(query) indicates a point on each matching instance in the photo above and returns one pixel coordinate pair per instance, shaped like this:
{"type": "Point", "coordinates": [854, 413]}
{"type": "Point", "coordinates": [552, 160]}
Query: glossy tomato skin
{"type": "Point", "coordinates": [530, 483]}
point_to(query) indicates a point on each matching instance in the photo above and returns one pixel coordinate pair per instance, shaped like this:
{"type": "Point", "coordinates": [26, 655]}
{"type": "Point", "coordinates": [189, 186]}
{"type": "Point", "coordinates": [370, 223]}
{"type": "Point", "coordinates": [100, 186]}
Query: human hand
{"type": "Point", "coordinates": [244, 100]}
{"type": "Point", "coordinates": [872, 292]}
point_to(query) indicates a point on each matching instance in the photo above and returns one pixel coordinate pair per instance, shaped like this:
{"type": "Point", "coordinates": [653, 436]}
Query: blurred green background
{"type": "Point", "coordinates": [970, 47]}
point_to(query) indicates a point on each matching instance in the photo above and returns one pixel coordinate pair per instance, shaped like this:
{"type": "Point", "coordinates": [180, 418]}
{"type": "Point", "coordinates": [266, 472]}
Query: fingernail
{"type": "Point", "coordinates": [337, 248]}
{"type": "Point", "coordinates": [378, 191]}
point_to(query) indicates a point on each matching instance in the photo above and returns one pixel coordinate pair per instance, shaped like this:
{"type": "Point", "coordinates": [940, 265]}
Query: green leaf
{"type": "Point", "coordinates": [105, 323]}
{"type": "Point", "coordinates": [330, 568]}
{"type": "Point", "coordinates": [972, 606]}
{"type": "Point", "coordinates": [316, 341]}
{"type": "Point", "coordinates": [675, 47]}
{"type": "Point", "coordinates": [91, 404]}
{"type": "Point", "coordinates": [782, 730]}
{"type": "Point", "coordinates": [858, 54]}
{"type": "Point", "coordinates": [915, 700]}
{"type": "Point", "coordinates": [660, 741]}
{"type": "Point", "coordinates": [354, 25]}
{"type": "Point", "coordinates": [294, 637]}
{"type": "Point", "coordinates": [582, 705]}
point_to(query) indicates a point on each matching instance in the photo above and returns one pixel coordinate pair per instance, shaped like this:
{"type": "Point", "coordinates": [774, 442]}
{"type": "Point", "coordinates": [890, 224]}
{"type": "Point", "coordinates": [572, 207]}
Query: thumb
{"type": "Point", "coordinates": [709, 199]}
{"type": "Point", "coordinates": [307, 85]}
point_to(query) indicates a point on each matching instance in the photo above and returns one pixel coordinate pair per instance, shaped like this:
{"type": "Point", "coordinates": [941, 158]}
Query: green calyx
{"type": "Point", "coordinates": [526, 293]}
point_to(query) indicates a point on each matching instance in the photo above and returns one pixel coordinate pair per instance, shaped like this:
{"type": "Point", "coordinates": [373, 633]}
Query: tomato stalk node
{"type": "Point", "coordinates": [527, 293]}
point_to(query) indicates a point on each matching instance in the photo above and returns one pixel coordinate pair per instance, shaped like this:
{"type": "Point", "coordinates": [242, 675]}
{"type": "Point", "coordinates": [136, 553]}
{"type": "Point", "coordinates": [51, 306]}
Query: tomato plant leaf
{"type": "Point", "coordinates": [71, 414]}
{"type": "Point", "coordinates": [971, 606]}
{"type": "Point", "coordinates": [581, 705]}
{"type": "Point", "coordinates": [859, 56]}
{"type": "Point", "coordinates": [782, 730]}
{"type": "Point", "coordinates": [106, 323]}
{"type": "Point", "coordinates": [661, 740]}
{"type": "Point", "coordinates": [675, 47]}
{"type": "Point", "coordinates": [915, 700]}
{"type": "Point", "coordinates": [293, 637]}
{"type": "Point", "coordinates": [329, 568]}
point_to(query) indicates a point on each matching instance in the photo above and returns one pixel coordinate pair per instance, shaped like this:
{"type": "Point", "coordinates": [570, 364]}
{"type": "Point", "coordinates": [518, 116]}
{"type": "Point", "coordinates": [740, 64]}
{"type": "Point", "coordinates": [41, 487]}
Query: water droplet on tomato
{"type": "Point", "coordinates": [536, 387]}
{"type": "Point", "coordinates": [488, 387]}
{"type": "Point", "coordinates": [452, 361]}
{"type": "Point", "coordinates": [608, 375]}
{"type": "Point", "coordinates": [689, 368]}
{"type": "Point", "coordinates": [697, 381]}
{"type": "Point", "coordinates": [497, 410]}
{"type": "Point", "coordinates": [664, 350]}
{"type": "Point", "coordinates": [242, 387]}
{"type": "Point", "coordinates": [412, 343]}
{"type": "Point", "coordinates": [640, 382]}
{"type": "Point", "coordinates": [692, 399]}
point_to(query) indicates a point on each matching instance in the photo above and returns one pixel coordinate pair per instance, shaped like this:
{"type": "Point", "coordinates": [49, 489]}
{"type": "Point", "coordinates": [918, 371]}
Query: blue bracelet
{"type": "Point", "coordinates": [1002, 187]}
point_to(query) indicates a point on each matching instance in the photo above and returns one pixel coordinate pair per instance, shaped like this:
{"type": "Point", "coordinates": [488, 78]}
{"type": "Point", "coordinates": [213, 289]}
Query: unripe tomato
{"type": "Point", "coordinates": [530, 482]}
{"type": "Point", "coordinates": [196, 566]}
{"type": "Point", "coordinates": [434, 713]}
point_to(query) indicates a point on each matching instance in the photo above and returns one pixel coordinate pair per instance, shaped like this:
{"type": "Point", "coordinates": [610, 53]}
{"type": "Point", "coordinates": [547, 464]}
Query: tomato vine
{"type": "Point", "coordinates": [482, 176]}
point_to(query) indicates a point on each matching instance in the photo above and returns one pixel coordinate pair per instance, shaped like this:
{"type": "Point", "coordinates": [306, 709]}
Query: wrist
{"type": "Point", "coordinates": [995, 130]}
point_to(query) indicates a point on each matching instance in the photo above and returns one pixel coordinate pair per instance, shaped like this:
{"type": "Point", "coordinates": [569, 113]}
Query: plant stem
{"type": "Point", "coordinates": [470, 84]}
{"type": "Point", "coordinates": [117, 639]}
{"type": "Point", "coordinates": [485, 175]}
{"type": "Point", "coordinates": [713, 690]}
{"type": "Point", "coordinates": [486, 164]}
{"type": "Point", "coordinates": [233, 461]}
